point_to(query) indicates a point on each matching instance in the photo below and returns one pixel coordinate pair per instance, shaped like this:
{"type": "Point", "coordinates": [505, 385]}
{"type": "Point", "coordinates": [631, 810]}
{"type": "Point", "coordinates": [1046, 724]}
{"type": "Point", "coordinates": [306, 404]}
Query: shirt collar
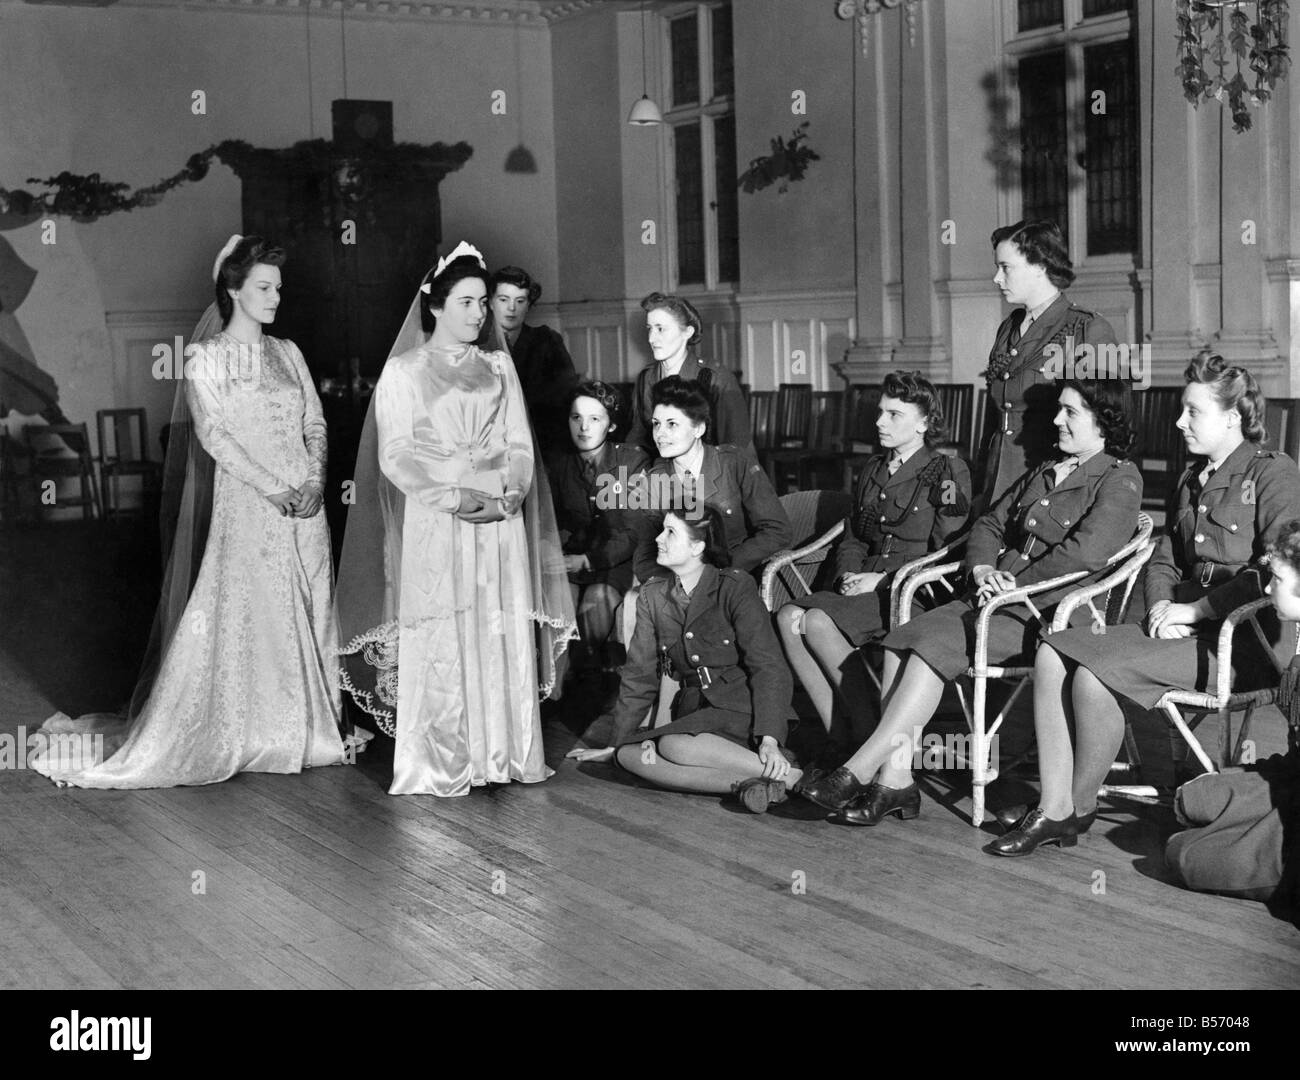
{"type": "Point", "coordinates": [692, 460]}
{"type": "Point", "coordinates": [1033, 314]}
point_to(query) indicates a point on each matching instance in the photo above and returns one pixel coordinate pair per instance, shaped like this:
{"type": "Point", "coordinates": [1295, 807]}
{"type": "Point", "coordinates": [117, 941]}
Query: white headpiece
{"type": "Point", "coordinates": [223, 255]}
{"type": "Point", "coordinates": [463, 248]}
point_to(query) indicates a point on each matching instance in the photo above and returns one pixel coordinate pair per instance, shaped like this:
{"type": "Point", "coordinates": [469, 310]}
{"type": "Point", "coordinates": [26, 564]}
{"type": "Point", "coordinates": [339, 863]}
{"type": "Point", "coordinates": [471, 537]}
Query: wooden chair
{"type": "Point", "coordinates": [1282, 418]}
{"type": "Point", "coordinates": [14, 470]}
{"type": "Point", "coordinates": [123, 451]}
{"type": "Point", "coordinates": [1123, 569]}
{"type": "Point", "coordinates": [861, 407]}
{"type": "Point", "coordinates": [1161, 456]}
{"type": "Point", "coordinates": [816, 519]}
{"type": "Point", "coordinates": [957, 400]}
{"type": "Point", "coordinates": [48, 445]}
{"type": "Point", "coordinates": [762, 408]}
{"type": "Point", "coordinates": [976, 459]}
{"type": "Point", "coordinates": [792, 425]}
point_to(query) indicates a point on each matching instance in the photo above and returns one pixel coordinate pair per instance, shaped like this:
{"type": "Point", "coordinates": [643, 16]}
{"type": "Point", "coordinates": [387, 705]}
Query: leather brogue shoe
{"type": "Point", "coordinates": [833, 790]}
{"type": "Point", "coordinates": [1011, 816]}
{"type": "Point", "coordinates": [758, 793]}
{"type": "Point", "coordinates": [1035, 830]}
{"type": "Point", "coordinates": [878, 803]}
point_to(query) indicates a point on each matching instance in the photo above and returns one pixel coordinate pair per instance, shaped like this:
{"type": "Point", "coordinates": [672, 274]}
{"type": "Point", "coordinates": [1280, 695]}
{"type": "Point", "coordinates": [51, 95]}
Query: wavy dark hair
{"type": "Point", "coordinates": [1286, 546]}
{"type": "Point", "coordinates": [1111, 402]}
{"type": "Point", "coordinates": [1234, 388]}
{"type": "Point", "coordinates": [1042, 244]}
{"type": "Point", "coordinates": [682, 310]}
{"type": "Point", "coordinates": [706, 524]}
{"type": "Point", "coordinates": [251, 251]}
{"type": "Point", "coordinates": [683, 394]}
{"type": "Point", "coordinates": [915, 389]}
{"type": "Point", "coordinates": [608, 395]}
{"type": "Point", "coordinates": [519, 278]}
{"type": "Point", "coordinates": [440, 286]}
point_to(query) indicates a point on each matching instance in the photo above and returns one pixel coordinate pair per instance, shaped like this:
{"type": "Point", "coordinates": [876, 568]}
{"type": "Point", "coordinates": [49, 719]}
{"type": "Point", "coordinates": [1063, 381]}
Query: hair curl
{"type": "Point", "coordinates": [915, 389]}
{"type": "Point", "coordinates": [1042, 244]}
{"type": "Point", "coordinates": [706, 525]}
{"type": "Point", "coordinates": [519, 278]}
{"type": "Point", "coordinates": [1111, 403]}
{"type": "Point", "coordinates": [682, 394]}
{"type": "Point", "coordinates": [682, 310]}
{"type": "Point", "coordinates": [608, 395]}
{"type": "Point", "coordinates": [441, 285]}
{"type": "Point", "coordinates": [1233, 388]}
{"type": "Point", "coordinates": [251, 251]}
{"type": "Point", "coordinates": [1286, 547]}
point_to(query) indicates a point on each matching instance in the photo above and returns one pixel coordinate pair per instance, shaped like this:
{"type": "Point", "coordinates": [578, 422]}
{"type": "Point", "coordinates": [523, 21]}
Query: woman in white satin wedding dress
{"type": "Point", "coordinates": [246, 678]}
{"type": "Point", "coordinates": [470, 573]}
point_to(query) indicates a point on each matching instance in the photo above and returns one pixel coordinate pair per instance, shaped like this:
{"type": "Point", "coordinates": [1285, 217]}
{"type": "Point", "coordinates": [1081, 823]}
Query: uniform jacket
{"type": "Point", "coordinates": [756, 523]}
{"type": "Point", "coordinates": [1214, 539]}
{"type": "Point", "coordinates": [546, 374]}
{"type": "Point", "coordinates": [1037, 532]}
{"type": "Point", "coordinates": [729, 632]}
{"type": "Point", "coordinates": [594, 517]}
{"type": "Point", "coordinates": [1019, 432]}
{"type": "Point", "coordinates": [899, 518]}
{"type": "Point", "coordinates": [729, 415]}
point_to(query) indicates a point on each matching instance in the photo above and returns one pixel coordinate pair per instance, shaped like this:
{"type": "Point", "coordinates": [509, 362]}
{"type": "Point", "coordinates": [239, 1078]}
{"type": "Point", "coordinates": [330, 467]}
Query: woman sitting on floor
{"type": "Point", "coordinates": [910, 499]}
{"type": "Point", "coordinates": [1069, 514]}
{"type": "Point", "coordinates": [705, 625]}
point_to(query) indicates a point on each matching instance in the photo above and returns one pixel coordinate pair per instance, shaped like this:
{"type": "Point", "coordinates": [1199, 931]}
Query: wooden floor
{"type": "Point", "coordinates": [324, 880]}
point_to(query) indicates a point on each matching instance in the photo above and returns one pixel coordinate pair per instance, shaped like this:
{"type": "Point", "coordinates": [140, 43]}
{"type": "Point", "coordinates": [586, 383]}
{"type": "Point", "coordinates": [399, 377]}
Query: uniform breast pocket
{"type": "Point", "coordinates": [1230, 530]}
{"type": "Point", "coordinates": [1066, 510]}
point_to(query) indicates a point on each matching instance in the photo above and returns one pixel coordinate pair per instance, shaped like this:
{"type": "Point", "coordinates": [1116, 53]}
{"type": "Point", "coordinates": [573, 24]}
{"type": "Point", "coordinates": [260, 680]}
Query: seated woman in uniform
{"type": "Point", "coordinates": [1071, 513]}
{"type": "Point", "coordinates": [698, 474]}
{"type": "Point", "coordinates": [705, 624]}
{"type": "Point", "coordinates": [595, 525]}
{"type": "Point", "coordinates": [674, 330]}
{"type": "Point", "coordinates": [910, 500]}
{"type": "Point", "coordinates": [1229, 507]}
{"type": "Point", "coordinates": [1241, 826]}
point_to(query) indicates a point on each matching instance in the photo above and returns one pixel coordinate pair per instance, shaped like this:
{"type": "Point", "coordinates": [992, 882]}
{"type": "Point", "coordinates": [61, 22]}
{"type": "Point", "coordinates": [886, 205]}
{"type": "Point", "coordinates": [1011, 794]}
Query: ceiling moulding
{"type": "Point", "coordinates": [521, 12]}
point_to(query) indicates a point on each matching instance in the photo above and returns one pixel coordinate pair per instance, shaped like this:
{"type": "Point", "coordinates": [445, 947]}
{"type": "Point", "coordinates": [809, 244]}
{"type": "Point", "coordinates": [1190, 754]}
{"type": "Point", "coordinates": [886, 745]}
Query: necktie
{"type": "Point", "coordinates": [895, 463]}
{"type": "Point", "coordinates": [589, 472]}
{"type": "Point", "coordinates": [1063, 468]}
{"type": "Point", "coordinates": [1204, 476]}
{"type": "Point", "coordinates": [1017, 331]}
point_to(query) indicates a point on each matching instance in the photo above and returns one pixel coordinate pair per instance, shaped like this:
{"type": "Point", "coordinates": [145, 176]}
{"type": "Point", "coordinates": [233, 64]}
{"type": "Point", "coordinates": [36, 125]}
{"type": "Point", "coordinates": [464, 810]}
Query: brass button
{"type": "Point", "coordinates": [726, 641]}
{"type": "Point", "coordinates": [1007, 407]}
{"type": "Point", "coordinates": [1025, 557]}
{"type": "Point", "coordinates": [882, 518]}
{"type": "Point", "coordinates": [882, 494]}
{"type": "Point", "coordinates": [1015, 352]}
{"type": "Point", "coordinates": [1032, 521]}
{"type": "Point", "coordinates": [1201, 509]}
{"type": "Point", "coordinates": [1066, 521]}
{"type": "Point", "coordinates": [1044, 502]}
{"type": "Point", "coordinates": [695, 659]}
{"type": "Point", "coordinates": [1200, 538]}
{"type": "Point", "coordinates": [689, 634]}
{"type": "Point", "coordinates": [1233, 527]}
{"type": "Point", "coordinates": [1006, 375]}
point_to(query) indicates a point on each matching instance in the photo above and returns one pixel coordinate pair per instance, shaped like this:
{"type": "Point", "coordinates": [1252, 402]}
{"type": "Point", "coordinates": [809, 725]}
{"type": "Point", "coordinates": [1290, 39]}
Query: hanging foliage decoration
{"type": "Point", "coordinates": [788, 161]}
{"type": "Point", "coordinates": [1220, 33]}
{"type": "Point", "coordinates": [88, 198]}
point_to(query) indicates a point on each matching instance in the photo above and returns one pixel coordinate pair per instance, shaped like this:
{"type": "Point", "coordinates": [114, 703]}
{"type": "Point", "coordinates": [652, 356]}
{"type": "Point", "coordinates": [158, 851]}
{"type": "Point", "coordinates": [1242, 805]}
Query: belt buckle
{"type": "Point", "coordinates": [706, 680]}
{"type": "Point", "coordinates": [1207, 574]}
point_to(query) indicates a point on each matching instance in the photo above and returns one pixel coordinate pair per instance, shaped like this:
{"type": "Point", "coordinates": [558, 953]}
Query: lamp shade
{"type": "Point", "coordinates": [645, 112]}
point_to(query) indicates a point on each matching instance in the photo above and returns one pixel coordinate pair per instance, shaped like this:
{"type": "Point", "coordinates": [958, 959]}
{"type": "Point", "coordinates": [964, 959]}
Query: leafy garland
{"type": "Point", "coordinates": [1262, 45]}
{"type": "Point", "coordinates": [88, 198]}
{"type": "Point", "coordinates": [788, 161]}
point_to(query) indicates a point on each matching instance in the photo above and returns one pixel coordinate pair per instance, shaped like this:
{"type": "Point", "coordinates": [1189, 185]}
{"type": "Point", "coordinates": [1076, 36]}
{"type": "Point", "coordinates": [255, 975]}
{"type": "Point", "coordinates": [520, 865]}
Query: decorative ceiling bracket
{"type": "Point", "coordinates": [866, 10]}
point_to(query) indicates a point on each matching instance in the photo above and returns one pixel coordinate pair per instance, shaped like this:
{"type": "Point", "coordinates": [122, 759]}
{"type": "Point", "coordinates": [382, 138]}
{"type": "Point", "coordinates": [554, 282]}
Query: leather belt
{"type": "Point", "coordinates": [1211, 573]}
{"type": "Point", "coordinates": [701, 678]}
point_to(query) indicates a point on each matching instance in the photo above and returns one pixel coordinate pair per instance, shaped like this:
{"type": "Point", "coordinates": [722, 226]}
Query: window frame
{"type": "Point", "coordinates": [705, 113]}
{"type": "Point", "coordinates": [1073, 35]}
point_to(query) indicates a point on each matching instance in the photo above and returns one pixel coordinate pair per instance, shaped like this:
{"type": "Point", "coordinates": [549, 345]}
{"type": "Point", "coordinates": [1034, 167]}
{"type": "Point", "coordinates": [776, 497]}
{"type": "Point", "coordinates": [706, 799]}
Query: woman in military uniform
{"type": "Point", "coordinates": [704, 624]}
{"type": "Point", "coordinates": [1070, 514]}
{"type": "Point", "coordinates": [1229, 507]}
{"type": "Point", "coordinates": [1033, 267]}
{"type": "Point", "coordinates": [595, 526]}
{"type": "Point", "coordinates": [697, 474]}
{"type": "Point", "coordinates": [910, 499]}
{"type": "Point", "coordinates": [674, 329]}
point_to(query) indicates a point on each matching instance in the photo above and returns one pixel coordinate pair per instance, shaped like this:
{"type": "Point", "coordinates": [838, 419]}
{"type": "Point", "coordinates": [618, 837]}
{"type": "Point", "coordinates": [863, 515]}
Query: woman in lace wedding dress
{"type": "Point", "coordinates": [451, 560]}
{"type": "Point", "coordinates": [241, 673]}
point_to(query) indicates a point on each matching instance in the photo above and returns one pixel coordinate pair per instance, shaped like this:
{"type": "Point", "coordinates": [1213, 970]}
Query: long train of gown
{"type": "Point", "coordinates": [248, 681]}
{"type": "Point", "coordinates": [467, 706]}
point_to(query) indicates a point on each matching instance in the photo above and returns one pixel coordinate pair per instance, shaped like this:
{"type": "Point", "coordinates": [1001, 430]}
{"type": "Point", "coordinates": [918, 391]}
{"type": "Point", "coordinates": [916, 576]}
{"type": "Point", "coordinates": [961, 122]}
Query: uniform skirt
{"type": "Point", "coordinates": [945, 637]}
{"type": "Point", "coordinates": [617, 577]}
{"type": "Point", "coordinates": [860, 618]}
{"type": "Point", "coordinates": [693, 715]}
{"type": "Point", "coordinates": [1142, 669]}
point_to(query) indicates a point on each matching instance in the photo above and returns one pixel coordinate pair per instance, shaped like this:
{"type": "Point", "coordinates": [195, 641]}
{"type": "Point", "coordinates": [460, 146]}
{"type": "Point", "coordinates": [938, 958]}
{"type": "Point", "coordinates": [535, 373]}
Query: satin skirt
{"type": "Point", "coordinates": [468, 712]}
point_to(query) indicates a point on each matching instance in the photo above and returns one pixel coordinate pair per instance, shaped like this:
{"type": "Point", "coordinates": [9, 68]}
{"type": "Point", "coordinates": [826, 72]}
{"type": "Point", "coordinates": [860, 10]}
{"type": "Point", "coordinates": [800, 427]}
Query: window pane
{"type": "Point", "coordinates": [1111, 160]}
{"type": "Point", "coordinates": [1043, 165]}
{"type": "Point", "coordinates": [690, 204]}
{"type": "Point", "coordinates": [724, 160]}
{"type": "Point", "coordinates": [1105, 7]}
{"type": "Point", "coordinates": [684, 39]}
{"type": "Point", "coordinates": [723, 78]}
{"type": "Point", "coordinates": [1033, 14]}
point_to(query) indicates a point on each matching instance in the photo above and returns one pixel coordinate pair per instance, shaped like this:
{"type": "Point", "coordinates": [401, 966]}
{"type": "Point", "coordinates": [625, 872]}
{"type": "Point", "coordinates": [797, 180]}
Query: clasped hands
{"type": "Point", "coordinates": [858, 584]}
{"type": "Point", "coordinates": [1169, 620]}
{"type": "Point", "coordinates": [478, 508]}
{"type": "Point", "coordinates": [989, 581]}
{"type": "Point", "coordinates": [303, 501]}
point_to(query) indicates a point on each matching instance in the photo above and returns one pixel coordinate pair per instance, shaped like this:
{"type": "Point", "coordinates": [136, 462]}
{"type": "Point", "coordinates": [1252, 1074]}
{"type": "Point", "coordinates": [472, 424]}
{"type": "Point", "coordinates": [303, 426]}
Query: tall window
{"type": "Point", "coordinates": [1076, 75]}
{"type": "Point", "coordinates": [702, 120]}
